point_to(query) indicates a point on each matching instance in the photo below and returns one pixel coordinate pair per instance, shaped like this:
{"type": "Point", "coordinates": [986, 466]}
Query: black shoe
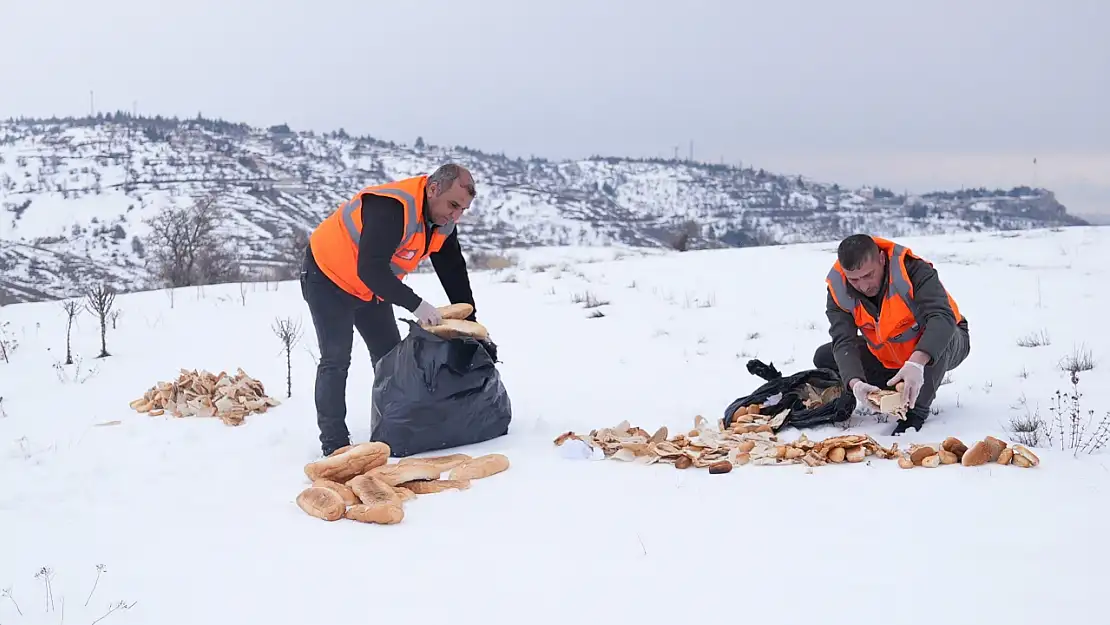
{"type": "Point", "coordinates": [330, 449]}
{"type": "Point", "coordinates": [915, 419]}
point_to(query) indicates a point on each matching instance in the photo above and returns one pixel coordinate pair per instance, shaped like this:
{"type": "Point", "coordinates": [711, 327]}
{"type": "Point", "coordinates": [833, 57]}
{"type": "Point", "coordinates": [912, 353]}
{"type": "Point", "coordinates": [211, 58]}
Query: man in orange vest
{"type": "Point", "coordinates": [891, 320]}
{"type": "Point", "coordinates": [353, 270]}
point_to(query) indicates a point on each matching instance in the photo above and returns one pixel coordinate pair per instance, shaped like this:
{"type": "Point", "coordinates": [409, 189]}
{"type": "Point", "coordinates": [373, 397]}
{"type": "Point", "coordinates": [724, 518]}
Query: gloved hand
{"type": "Point", "coordinates": [860, 390]}
{"type": "Point", "coordinates": [427, 314]}
{"type": "Point", "coordinates": [913, 376]}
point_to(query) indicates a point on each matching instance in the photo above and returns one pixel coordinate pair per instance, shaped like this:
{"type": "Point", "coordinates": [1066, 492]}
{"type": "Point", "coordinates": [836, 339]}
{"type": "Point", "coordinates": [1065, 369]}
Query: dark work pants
{"type": "Point", "coordinates": [876, 374]}
{"type": "Point", "coordinates": [336, 314]}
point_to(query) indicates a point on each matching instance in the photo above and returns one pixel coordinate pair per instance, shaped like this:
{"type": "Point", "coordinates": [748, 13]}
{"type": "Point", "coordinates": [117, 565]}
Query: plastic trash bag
{"type": "Point", "coordinates": [791, 392]}
{"type": "Point", "coordinates": [435, 393]}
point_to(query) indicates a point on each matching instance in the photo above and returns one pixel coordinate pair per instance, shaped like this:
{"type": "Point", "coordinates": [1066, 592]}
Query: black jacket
{"type": "Point", "coordinates": [933, 310]}
{"type": "Point", "coordinates": [383, 225]}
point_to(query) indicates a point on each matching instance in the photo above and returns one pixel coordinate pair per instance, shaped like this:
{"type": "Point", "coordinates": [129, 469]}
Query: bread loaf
{"type": "Point", "coordinates": [480, 467]}
{"type": "Point", "coordinates": [322, 503]}
{"type": "Point", "coordinates": [356, 460]}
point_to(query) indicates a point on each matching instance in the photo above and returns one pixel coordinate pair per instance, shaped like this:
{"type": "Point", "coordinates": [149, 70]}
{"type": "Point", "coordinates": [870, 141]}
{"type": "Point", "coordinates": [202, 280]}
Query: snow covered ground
{"type": "Point", "coordinates": [195, 521]}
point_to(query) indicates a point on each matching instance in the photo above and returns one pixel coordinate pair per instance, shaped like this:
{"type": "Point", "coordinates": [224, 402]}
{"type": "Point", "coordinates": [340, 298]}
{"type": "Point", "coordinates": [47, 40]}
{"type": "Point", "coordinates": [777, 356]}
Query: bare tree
{"type": "Point", "coordinates": [98, 301]}
{"type": "Point", "coordinates": [72, 307]}
{"type": "Point", "coordinates": [288, 332]}
{"type": "Point", "coordinates": [289, 252]}
{"type": "Point", "coordinates": [185, 246]}
{"type": "Point", "coordinates": [114, 317]}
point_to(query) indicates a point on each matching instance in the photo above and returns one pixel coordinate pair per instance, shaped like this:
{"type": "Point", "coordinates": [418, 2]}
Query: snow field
{"type": "Point", "coordinates": [196, 521]}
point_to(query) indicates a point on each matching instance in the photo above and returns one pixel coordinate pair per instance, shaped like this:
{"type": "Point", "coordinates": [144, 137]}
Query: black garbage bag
{"type": "Point", "coordinates": [794, 391]}
{"type": "Point", "coordinates": [435, 393]}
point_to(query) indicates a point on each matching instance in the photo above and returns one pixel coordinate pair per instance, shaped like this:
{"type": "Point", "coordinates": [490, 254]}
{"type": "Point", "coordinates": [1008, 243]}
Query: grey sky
{"type": "Point", "coordinates": [910, 95]}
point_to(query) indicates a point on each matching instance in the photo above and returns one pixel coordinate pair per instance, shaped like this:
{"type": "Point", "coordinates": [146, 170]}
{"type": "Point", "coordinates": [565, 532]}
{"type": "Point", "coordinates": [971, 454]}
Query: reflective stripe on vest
{"type": "Point", "coordinates": [897, 285]}
{"type": "Point", "coordinates": [413, 223]}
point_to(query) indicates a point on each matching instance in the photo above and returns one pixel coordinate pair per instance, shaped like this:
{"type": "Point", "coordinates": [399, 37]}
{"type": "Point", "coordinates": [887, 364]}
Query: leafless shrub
{"type": "Point", "coordinates": [680, 241]}
{"type": "Point", "coordinates": [99, 299]}
{"type": "Point", "coordinates": [55, 604]}
{"type": "Point", "coordinates": [289, 252]}
{"type": "Point", "coordinates": [288, 332]}
{"type": "Point", "coordinates": [1078, 361]}
{"type": "Point", "coordinates": [114, 317]}
{"type": "Point", "coordinates": [74, 372]}
{"type": "Point", "coordinates": [697, 301]}
{"type": "Point", "coordinates": [185, 246]}
{"type": "Point", "coordinates": [72, 307]}
{"type": "Point", "coordinates": [1035, 339]}
{"type": "Point", "coordinates": [1073, 424]}
{"type": "Point", "coordinates": [1028, 428]}
{"type": "Point", "coordinates": [8, 342]}
{"type": "Point", "coordinates": [588, 300]}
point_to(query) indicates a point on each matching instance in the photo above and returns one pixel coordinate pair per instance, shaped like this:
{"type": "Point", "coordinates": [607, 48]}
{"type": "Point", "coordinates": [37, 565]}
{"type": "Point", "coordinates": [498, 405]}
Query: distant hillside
{"type": "Point", "coordinates": [76, 197]}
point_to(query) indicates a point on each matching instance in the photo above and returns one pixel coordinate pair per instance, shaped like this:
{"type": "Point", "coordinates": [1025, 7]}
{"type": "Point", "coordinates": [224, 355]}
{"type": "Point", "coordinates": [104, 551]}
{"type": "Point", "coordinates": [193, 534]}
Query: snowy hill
{"type": "Point", "coordinates": [75, 196]}
{"type": "Point", "coordinates": [195, 520]}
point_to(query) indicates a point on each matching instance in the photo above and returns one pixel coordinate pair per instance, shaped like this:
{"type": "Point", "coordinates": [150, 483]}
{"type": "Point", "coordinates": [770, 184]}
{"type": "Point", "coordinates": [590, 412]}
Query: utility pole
{"type": "Point", "coordinates": [691, 150]}
{"type": "Point", "coordinates": [92, 107]}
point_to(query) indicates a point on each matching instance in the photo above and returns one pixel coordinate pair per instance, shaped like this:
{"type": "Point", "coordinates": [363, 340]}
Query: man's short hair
{"type": "Point", "coordinates": [446, 175]}
{"type": "Point", "coordinates": [854, 250]}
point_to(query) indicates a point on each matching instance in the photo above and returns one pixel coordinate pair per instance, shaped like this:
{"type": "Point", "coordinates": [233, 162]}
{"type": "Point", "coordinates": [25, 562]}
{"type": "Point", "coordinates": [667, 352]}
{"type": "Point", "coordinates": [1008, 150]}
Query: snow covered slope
{"type": "Point", "coordinates": [75, 194]}
{"type": "Point", "coordinates": [195, 521]}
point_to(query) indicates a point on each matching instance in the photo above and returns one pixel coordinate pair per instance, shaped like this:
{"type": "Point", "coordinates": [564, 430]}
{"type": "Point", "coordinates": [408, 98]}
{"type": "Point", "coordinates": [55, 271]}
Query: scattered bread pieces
{"type": "Point", "coordinates": [357, 482]}
{"type": "Point", "coordinates": [739, 444]}
{"type": "Point", "coordinates": [203, 394]}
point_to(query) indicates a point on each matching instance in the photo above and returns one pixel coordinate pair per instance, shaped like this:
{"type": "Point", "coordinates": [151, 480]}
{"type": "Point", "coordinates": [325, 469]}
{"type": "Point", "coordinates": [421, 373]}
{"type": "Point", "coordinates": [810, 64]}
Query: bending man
{"type": "Point", "coordinates": [912, 331]}
{"type": "Point", "coordinates": [353, 267]}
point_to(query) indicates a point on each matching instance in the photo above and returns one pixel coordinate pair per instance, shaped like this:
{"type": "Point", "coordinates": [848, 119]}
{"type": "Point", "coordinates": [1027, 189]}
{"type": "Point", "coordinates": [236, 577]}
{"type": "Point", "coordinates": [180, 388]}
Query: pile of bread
{"type": "Point", "coordinates": [453, 323]}
{"type": "Point", "coordinates": [358, 482]}
{"type": "Point", "coordinates": [750, 439]}
{"type": "Point", "coordinates": [953, 451]}
{"type": "Point", "coordinates": [229, 398]}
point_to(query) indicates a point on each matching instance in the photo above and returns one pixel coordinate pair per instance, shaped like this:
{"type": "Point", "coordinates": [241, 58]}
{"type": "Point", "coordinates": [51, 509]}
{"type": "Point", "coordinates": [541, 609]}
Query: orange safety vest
{"type": "Point", "coordinates": [893, 337]}
{"type": "Point", "coordinates": [334, 243]}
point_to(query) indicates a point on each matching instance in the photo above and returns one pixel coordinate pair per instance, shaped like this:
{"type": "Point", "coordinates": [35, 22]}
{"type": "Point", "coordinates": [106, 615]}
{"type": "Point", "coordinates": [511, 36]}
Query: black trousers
{"type": "Point", "coordinates": [876, 374]}
{"type": "Point", "coordinates": [336, 314]}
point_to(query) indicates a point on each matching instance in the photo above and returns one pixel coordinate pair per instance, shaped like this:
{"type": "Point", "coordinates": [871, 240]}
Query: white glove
{"type": "Point", "coordinates": [427, 314]}
{"type": "Point", "coordinates": [913, 376]}
{"type": "Point", "coordinates": [860, 390]}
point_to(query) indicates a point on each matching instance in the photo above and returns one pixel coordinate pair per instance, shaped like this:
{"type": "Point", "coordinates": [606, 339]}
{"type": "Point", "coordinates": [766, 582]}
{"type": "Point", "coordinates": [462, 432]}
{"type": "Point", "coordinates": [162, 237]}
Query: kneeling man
{"type": "Point", "coordinates": [912, 331]}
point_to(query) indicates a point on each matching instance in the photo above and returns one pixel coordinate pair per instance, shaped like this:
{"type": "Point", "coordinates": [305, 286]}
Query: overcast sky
{"type": "Point", "coordinates": [944, 94]}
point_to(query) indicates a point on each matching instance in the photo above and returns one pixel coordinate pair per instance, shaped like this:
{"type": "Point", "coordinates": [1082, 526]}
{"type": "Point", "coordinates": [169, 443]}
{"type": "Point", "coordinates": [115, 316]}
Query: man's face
{"type": "Point", "coordinates": [868, 278]}
{"type": "Point", "coordinates": [449, 205]}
